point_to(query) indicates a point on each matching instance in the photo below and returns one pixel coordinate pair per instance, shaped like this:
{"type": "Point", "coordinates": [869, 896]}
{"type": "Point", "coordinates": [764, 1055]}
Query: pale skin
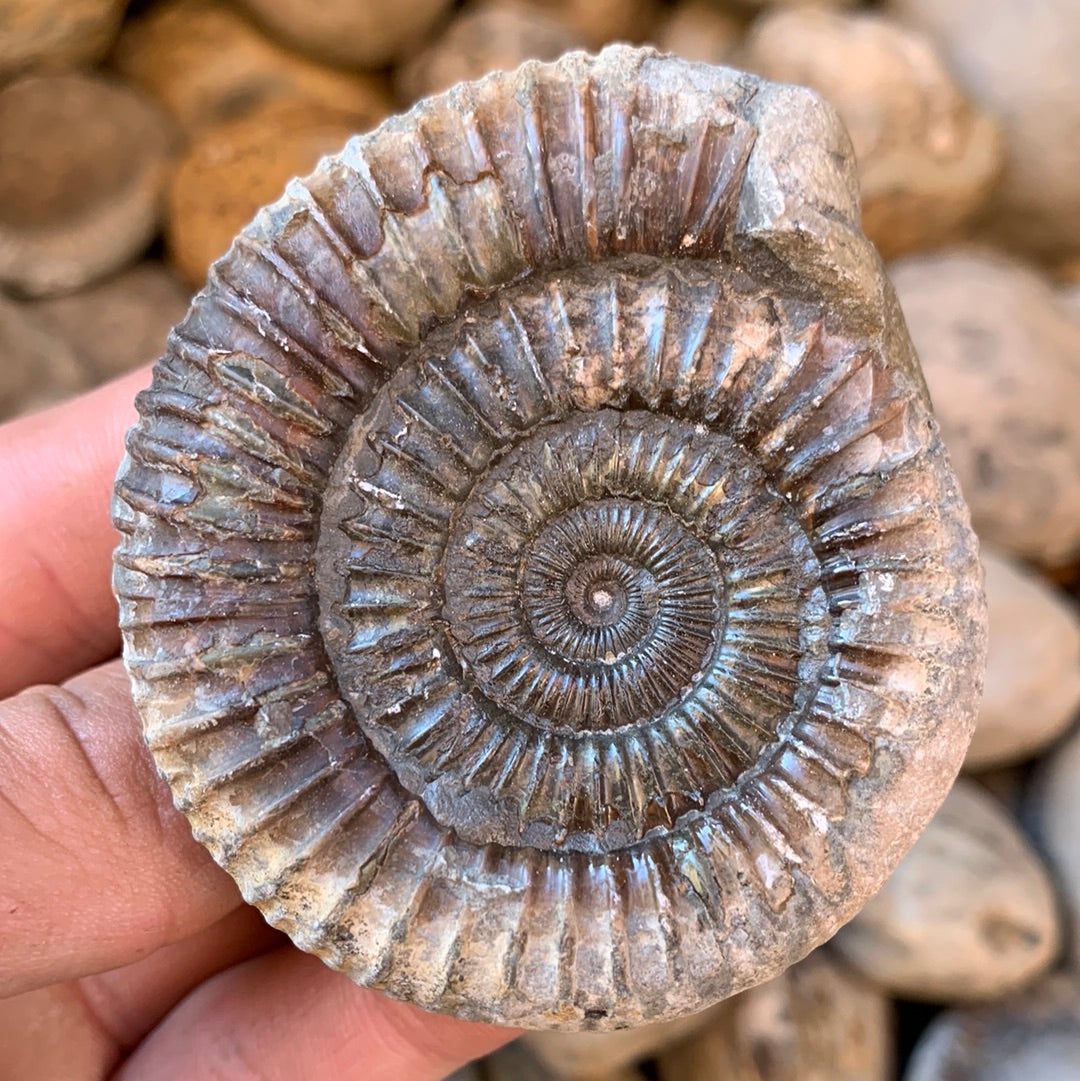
{"type": "Point", "coordinates": [125, 952]}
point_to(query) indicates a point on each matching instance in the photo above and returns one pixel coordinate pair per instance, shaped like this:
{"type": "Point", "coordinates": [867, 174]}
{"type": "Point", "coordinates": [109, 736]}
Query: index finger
{"type": "Point", "coordinates": [57, 612]}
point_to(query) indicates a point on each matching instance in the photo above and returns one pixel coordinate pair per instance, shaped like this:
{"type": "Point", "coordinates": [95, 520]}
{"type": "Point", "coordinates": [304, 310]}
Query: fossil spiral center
{"type": "Point", "coordinates": [604, 592]}
{"type": "Point", "coordinates": [597, 610]}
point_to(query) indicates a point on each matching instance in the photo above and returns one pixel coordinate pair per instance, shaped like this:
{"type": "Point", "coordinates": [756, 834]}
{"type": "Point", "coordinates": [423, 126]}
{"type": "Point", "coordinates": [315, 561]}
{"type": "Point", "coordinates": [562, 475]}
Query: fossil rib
{"type": "Point", "coordinates": [542, 581]}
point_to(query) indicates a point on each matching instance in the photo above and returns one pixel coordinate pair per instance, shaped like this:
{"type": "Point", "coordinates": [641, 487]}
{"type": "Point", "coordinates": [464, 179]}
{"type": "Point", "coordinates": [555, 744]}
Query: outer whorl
{"type": "Point", "coordinates": [542, 581]}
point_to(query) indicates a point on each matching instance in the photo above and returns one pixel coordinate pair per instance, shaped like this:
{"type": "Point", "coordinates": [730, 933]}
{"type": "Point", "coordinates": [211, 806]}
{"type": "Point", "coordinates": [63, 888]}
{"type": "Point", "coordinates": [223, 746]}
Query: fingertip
{"type": "Point", "coordinates": [286, 1015]}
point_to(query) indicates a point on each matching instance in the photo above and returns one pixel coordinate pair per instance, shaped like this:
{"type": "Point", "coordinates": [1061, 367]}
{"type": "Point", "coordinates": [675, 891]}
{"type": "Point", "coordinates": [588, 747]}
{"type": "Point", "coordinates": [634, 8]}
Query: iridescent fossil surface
{"type": "Point", "coordinates": [542, 581]}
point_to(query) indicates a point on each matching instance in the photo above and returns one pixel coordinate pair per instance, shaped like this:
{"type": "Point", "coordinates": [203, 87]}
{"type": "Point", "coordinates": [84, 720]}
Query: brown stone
{"type": "Point", "coordinates": [57, 347]}
{"type": "Point", "coordinates": [206, 63]}
{"type": "Point", "coordinates": [1068, 271]}
{"type": "Point", "coordinates": [1000, 354]}
{"type": "Point", "coordinates": [927, 158]}
{"type": "Point", "coordinates": [765, 5]}
{"type": "Point", "coordinates": [969, 914]}
{"type": "Point", "coordinates": [519, 1062]}
{"type": "Point", "coordinates": [1006, 784]}
{"type": "Point", "coordinates": [56, 35]}
{"type": "Point", "coordinates": [368, 34]}
{"type": "Point", "coordinates": [120, 323]}
{"type": "Point", "coordinates": [1034, 1036]}
{"type": "Point", "coordinates": [82, 175]}
{"type": "Point", "coordinates": [233, 168]}
{"type": "Point", "coordinates": [494, 35]}
{"type": "Point", "coordinates": [592, 1056]}
{"type": "Point", "coordinates": [699, 30]}
{"type": "Point", "coordinates": [542, 582]}
{"type": "Point", "coordinates": [817, 1022]}
{"type": "Point", "coordinates": [1032, 690]}
{"type": "Point", "coordinates": [1018, 60]}
{"type": "Point", "coordinates": [599, 22]}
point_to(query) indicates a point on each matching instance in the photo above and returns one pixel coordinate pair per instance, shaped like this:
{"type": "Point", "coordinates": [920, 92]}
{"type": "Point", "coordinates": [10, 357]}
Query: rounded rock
{"type": "Point", "coordinates": [1032, 689]}
{"type": "Point", "coordinates": [120, 323]}
{"type": "Point", "coordinates": [1000, 354]}
{"type": "Point", "coordinates": [698, 30]}
{"type": "Point", "coordinates": [82, 179]}
{"type": "Point", "coordinates": [1055, 802]}
{"type": "Point", "coordinates": [206, 64]}
{"type": "Point", "coordinates": [233, 168]}
{"type": "Point", "coordinates": [819, 1021]}
{"type": "Point", "coordinates": [969, 914]}
{"type": "Point", "coordinates": [537, 534]}
{"type": "Point", "coordinates": [1018, 62]}
{"type": "Point", "coordinates": [1032, 1037]}
{"type": "Point", "coordinates": [39, 367]}
{"type": "Point", "coordinates": [593, 1056]}
{"type": "Point", "coordinates": [517, 1062]}
{"type": "Point", "coordinates": [367, 35]}
{"type": "Point", "coordinates": [598, 22]}
{"type": "Point", "coordinates": [491, 36]}
{"type": "Point", "coordinates": [765, 5]}
{"type": "Point", "coordinates": [56, 35]}
{"type": "Point", "coordinates": [927, 158]}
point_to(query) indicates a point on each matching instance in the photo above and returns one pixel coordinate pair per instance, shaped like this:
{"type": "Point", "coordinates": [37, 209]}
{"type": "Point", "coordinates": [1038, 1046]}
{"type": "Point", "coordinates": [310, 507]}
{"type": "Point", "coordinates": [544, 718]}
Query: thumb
{"type": "Point", "coordinates": [285, 1016]}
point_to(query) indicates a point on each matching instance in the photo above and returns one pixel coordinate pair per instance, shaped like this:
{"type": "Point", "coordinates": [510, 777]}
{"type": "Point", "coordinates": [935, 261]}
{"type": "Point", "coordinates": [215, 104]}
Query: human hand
{"type": "Point", "coordinates": [125, 952]}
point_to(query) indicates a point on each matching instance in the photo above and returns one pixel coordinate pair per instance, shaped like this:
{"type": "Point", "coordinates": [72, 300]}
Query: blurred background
{"type": "Point", "coordinates": [137, 138]}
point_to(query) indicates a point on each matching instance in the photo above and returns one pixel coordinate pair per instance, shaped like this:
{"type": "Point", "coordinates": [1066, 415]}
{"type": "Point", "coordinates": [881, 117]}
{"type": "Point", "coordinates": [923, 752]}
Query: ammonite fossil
{"type": "Point", "coordinates": [542, 581]}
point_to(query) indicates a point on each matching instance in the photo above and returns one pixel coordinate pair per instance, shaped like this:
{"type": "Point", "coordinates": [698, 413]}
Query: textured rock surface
{"type": "Point", "coordinates": [1056, 812]}
{"type": "Point", "coordinates": [587, 1056]}
{"type": "Point", "coordinates": [368, 34]}
{"type": "Point", "coordinates": [927, 158]}
{"type": "Point", "coordinates": [232, 169]}
{"type": "Point", "coordinates": [491, 36]}
{"type": "Point", "coordinates": [55, 35]}
{"type": "Point", "coordinates": [544, 586]}
{"type": "Point", "coordinates": [817, 1022]}
{"type": "Point", "coordinates": [207, 63]}
{"type": "Point", "coordinates": [1032, 1037]}
{"type": "Point", "coordinates": [1018, 59]}
{"type": "Point", "coordinates": [82, 176]}
{"type": "Point", "coordinates": [1032, 690]}
{"type": "Point", "coordinates": [969, 914]}
{"type": "Point", "coordinates": [1002, 358]}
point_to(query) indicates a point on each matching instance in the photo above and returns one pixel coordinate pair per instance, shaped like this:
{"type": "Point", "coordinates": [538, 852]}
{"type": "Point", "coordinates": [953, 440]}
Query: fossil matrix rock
{"type": "Point", "coordinates": [542, 580]}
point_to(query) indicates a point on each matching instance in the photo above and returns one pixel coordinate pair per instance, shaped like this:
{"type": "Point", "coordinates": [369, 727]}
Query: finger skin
{"type": "Point", "coordinates": [285, 1016]}
{"type": "Point", "coordinates": [57, 612]}
{"type": "Point", "coordinates": [82, 1030]}
{"type": "Point", "coordinates": [129, 1001]}
{"type": "Point", "coordinates": [97, 868]}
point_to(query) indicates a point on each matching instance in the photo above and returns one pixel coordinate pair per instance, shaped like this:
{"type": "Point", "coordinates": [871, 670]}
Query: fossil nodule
{"type": "Point", "coordinates": [542, 581]}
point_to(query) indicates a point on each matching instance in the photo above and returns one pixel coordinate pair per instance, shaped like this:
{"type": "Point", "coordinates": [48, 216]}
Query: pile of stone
{"type": "Point", "coordinates": [135, 147]}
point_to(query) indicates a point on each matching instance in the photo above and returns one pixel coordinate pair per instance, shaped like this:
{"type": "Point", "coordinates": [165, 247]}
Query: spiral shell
{"type": "Point", "coordinates": [542, 581]}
